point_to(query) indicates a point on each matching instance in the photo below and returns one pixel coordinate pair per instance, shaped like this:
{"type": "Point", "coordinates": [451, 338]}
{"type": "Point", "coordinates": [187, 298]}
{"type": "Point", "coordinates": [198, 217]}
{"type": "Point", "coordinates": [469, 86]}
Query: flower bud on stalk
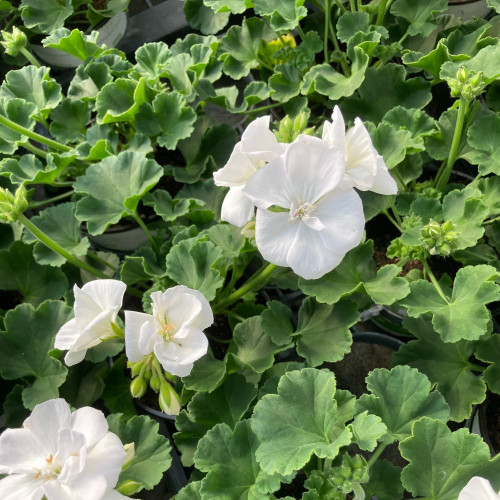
{"type": "Point", "coordinates": [439, 239]}
{"type": "Point", "coordinates": [12, 205]}
{"type": "Point", "coordinates": [466, 84]}
{"type": "Point", "coordinates": [13, 41]}
{"type": "Point", "coordinates": [169, 400]}
{"type": "Point", "coordinates": [128, 487]}
{"type": "Point", "coordinates": [154, 382]}
{"type": "Point", "coordinates": [138, 387]}
{"type": "Point", "coordinates": [129, 458]}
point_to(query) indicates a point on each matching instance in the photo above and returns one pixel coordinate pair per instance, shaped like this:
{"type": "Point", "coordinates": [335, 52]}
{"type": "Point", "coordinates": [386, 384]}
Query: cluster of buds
{"type": "Point", "coordinates": [147, 372]}
{"type": "Point", "coordinates": [427, 190]}
{"type": "Point", "coordinates": [439, 239]}
{"type": "Point", "coordinates": [290, 128]}
{"type": "Point", "coordinates": [398, 250]}
{"type": "Point", "coordinates": [12, 205]}
{"type": "Point", "coordinates": [268, 50]}
{"type": "Point", "coordinates": [466, 84]}
{"type": "Point", "coordinates": [13, 41]}
{"type": "Point", "coordinates": [352, 471]}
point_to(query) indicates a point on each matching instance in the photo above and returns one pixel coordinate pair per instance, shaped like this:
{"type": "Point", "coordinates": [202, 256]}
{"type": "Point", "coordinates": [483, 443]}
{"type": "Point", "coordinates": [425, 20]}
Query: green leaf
{"type": "Point", "coordinates": [420, 14]}
{"type": "Point", "coordinates": [102, 206]}
{"type": "Point", "coordinates": [203, 18]}
{"type": "Point", "coordinates": [276, 322]}
{"type": "Point", "coordinates": [446, 365]}
{"type": "Point", "coordinates": [464, 315]}
{"type": "Point", "coordinates": [383, 89]}
{"type": "Point", "coordinates": [298, 422]}
{"type": "Point", "coordinates": [385, 481]}
{"type": "Point", "coordinates": [430, 62]}
{"type": "Point", "coordinates": [323, 330]}
{"type": "Point", "coordinates": [152, 451]}
{"type": "Point", "coordinates": [89, 80]}
{"type": "Point", "coordinates": [457, 456]}
{"type": "Point", "coordinates": [350, 23]}
{"type": "Point", "coordinates": [400, 397]}
{"type": "Point", "coordinates": [59, 223]}
{"type": "Point", "coordinates": [29, 169]}
{"type": "Point", "coordinates": [167, 208]}
{"type": "Point", "coordinates": [483, 137]}
{"type": "Point", "coordinates": [283, 15]}
{"type": "Point", "coordinates": [285, 82]}
{"type": "Point", "coordinates": [323, 79]}
{"type": "Point", "coordinates": [366, 430]}
{"type": "Point", "coordinates": [240, 46]}
{"type": "Point", "coordinates": [75, 43]}
{"type": "Point", "coordinates": [227, 404]}
{"type": "Point", "coordinates": [82, 385]}
{"type": "Point", "coordinates": [168, 117]}
{"type": "Point", "coordinates": [69, 121]}
{"type": "Point", "coordinates": [47, 16]}
{"type": "Point", "coordinates": [488, 351]}
{"type": "Point", "coordinates": [193, 265]}
{"type": "Point", "coordinates": [20, 272]}
{"type": "Point", "coordinates": [151, 60]}
{"type": "Point", "coordinates": [234, 6]}
{"type": "Point", "coordinates": [386, 288]}
{"type": "Point", "coordinates": [21, 356]}
{"type": "Point", "coordinates": [228, 456]}
{"type": "Point", "coordinates": [35, 86]}
{"type": "Point", "coordinates": [190, 492]}
{"type": "Point", "coordinates": [206, 375]}
{"type": "Point", "coordinates": [20, 112]}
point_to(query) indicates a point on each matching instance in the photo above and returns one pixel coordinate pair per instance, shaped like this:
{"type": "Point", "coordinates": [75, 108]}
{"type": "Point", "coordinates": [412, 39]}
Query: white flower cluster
{"type": "Point", "coordinates": [308, 212]}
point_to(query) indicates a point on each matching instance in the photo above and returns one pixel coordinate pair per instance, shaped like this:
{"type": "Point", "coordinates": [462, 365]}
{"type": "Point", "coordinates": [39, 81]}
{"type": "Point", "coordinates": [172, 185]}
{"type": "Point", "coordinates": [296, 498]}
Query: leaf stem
{"type": "Point", "coordinates": [463, 108]}
{"type": "Point", "coordinates": [352, 4]}
{"type": "Point", "coordinates": [261, 108]}
{"type": "Point", "coordinates": [47, 241]}
{"type": "Point", "coordinates": [301, 32]}
{"type": "Point", "coordinates": [59, 197]}
{"type": "Point", "coordinates": [143, 226]}
{"type": "Point", "coordinates": [253, 283]}
{"type": "Point", "coordinates": [33, 149]}
{"type": "Point", "coordinates": [434, 281]}
{"type": "Point", "coordinates": [381, 12]}
{"type": "Point", "coordinates": [389, 216]}
{"type": "Point", "coordinates": [33, 135]}
{"type": "Point", "coordinates": [30, 57]}
{"type": "Point", "coordinates": [381, 447]}
{"type": "Point", "coordinates": [340, 6]}
{"type": "Point", "coordinates": [96, 257]}
{"type": "Point", "coordinates": [395, 210]}
{"type": "Point", "coordinates": [491, 221]}
{"type": "Point", "coordinates": [328, 9]}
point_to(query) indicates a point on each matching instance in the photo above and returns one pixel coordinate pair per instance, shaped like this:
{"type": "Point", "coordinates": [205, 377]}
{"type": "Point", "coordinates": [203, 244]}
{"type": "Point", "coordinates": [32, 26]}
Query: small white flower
{"type": "Point", "coordinates": [478, 488]}
{"type": "Point", "coordinates": [174, 332]}
{"type": "Point", "coordinates": [315, 221]}
{"type": "Point", "coordinates": [96, 306]}
{"type": "Point", "coordinates": [365, 168]}
{"type": "Point", "coordinates": [61, 455]}
{"type": "Point", "coordinates": [258, 146]}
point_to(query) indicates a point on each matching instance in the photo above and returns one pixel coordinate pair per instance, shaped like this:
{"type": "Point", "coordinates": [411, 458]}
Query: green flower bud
{"type": "Point", "coordinates": [154, 382]}
{"type": "Point", "coordinates": [11, 205]}
{"type": "Point", "coordinates": [135, 368]}
{"type": "Point", "coordinates": [290, 129]}
{"type": "Point", "coordinates": [128, 487]}
{"type": "Point", "coordinates": [462, 75]}
{"type": "Point", "coordinates": [13, 41]}
{"type": "Point", "coordinates": [130, 455]}
{"type": "Point", "coordinates": [138, 387]}
{"type": "Point", "coordinates": [169, 400]}
{"type": "Point", "coordinates": [439, 239]}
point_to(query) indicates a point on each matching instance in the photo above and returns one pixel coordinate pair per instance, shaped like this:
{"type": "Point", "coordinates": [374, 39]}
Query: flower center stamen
{"type": "Point", "coordinates": [51, 471]}
{"type": "Point", "coordinates": [167, 330]}
{"type": "Point", "coordinates": [304, 210]}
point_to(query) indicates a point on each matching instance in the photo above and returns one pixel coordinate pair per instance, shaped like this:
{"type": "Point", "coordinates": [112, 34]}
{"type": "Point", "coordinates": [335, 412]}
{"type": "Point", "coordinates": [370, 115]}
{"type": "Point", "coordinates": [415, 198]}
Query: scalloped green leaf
{"type": "Point", "coordinates": [69, 120]}
{"type": "Point", "coordinates": [483, 136]}
{"type": "Point", "coordinates": [20, 272]}
{"type": "Point", "coordinates": [349, 23]}
{"type": "Point", "coordinates": [385, 481]}
{"type": "Point", "coordinates": [152, 450]}
{"type": "Point", "coordinates": [367, 430]}
{"type": "Point", "coordinates": [75, 43]}
{"type": "Point", "coordinates": [446, 365]}
{"type": "Point", "coordinates": [488, 350]}
{"type": "Point", "coordinates": [323, 330]}
{"type": "Point", "coordinates": [234, 6]}
{"type": "Point", "coordinates": [464, 315]}
{"type": "Point", "coordinates": [151, 60]}
{"type": "Point", "coordinates": [387, 287]}
{"type": "Point", "coordinates": [20, 112]}
{"type": "Point", "coordinates": [206, 375]}
{"type": "Point", "coordinates": [298, 422]}
{"type": "Point", "coordinates": [21, 356]}
{"type": "Point", "coordinates": [60, 224]}
{"type": "Point", "coordinates": [420, 14]}
{"type": "Point", "coordinates": [89, 80]}
{"type": "Point", "coordinates": [167, 208]}
{"type": "Point", "coordinates": [47, 17]}
{"type": "Point", "coordinates": [203, 18]}
{"type": "Point", "coordinates": [285, 82]}
{"type": "Point", "coordinates": [400, 397]}
{"type": "Point", "coordinates": [276, 322]}
{"type": "Point", "coordinates": [29, 169]}
{"type": "Point", "coordinates": [283, 15]}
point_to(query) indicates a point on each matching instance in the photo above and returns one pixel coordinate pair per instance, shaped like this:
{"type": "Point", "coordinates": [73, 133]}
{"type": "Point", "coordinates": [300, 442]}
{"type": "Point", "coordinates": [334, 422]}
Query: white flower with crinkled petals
{"type": "Point", "coordinates": [258, 146]}
{"type": "Point", "coordinates": [313, 221]}
{"type": "Point", "coordinates": [365, 168]}
{"type": "Point", "coordinates": [96, 306]}
{"type": "Point", "coordinates": [478, 488]}
{"type": "Point", "coordinates": [174, 332]}
{"type": "Point", "coordinates": [61, 455]}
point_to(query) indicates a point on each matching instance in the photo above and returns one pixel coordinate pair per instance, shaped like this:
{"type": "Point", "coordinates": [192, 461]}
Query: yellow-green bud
{"type": "Point", "coordinates": [439, 239]}
{"type": "Point", "coordinates": [154, 382]}
{"type": "Point", "coordinates": [128, 487]}
{"type": "Point", "coordinates": [13, 41]}
{"type": "Point", "coordinates": [462, 75]}
{"type": "Point", "coordinates": [130, 455]}
{"type": "Point", "coordinates": [11, 205]}
{"type": "Point", "coordinates": [138, 387]}
{"type": "Point", "coordinates": [248, 230]}
{"type": "Point", "coordinates": [169, 400]}
{"type": "Point", "coordinates": [135, 368]}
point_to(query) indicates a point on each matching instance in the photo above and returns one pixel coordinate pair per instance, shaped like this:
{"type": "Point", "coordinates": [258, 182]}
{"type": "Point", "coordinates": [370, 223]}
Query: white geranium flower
{"type": "Point", "coordinates": [173, 332]}
{"type": "Point", "coordinates": [365, 168]}
{"type": "Point", "coordinates": [96, 306]}
{"type": "Point", "coordinates": [258, 146]}
{"type": "Point", "coordinates": [61, 455]}
{"type": "Point", "coordinates": [478, 488]}
{"type": "Point", "coordinates": [315, 220]}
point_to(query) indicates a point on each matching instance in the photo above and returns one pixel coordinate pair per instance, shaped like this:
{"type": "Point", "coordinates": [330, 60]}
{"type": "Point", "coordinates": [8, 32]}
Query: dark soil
{"type": "Point", "coordinates": [489, 419]}
{"type": "Point", "coordinates": [220, 329]}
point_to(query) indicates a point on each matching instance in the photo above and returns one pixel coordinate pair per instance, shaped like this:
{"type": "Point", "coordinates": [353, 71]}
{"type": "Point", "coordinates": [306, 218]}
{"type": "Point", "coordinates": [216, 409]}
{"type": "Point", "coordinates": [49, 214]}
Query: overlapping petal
{"type": "Point", "coordinates": [478, 488]}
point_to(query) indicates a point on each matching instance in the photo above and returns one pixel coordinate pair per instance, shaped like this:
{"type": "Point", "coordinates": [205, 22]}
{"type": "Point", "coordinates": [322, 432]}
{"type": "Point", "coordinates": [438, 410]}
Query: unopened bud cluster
{"type": "Point", "coordinates": [439, 239]}
{"type": "Point", "coordinates": [291, 128]}
{"type": "Point", "coordinates": [13, 41]}
{"type": "Point", "coordinates": [11, 205]}
{"type": "Point", "coordinates": [353, 470]}
{"type": "Point", "coordinates": [466, 84]}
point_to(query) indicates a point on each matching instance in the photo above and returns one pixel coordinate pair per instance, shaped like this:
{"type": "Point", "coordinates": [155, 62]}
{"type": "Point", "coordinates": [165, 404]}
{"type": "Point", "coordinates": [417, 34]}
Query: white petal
{"type": "Point", "coordinates": [269, 186]}
{"type": "Point", "coordinates": [383, 183]}
{"type": "Point", "coordinates": [149, 336]}
{"type": "Point", "coordinates": [46, 420]}
{"type": "Point", "coordinates": [237, 208]}
{"type": "Point", "coordinates": [91, 423]}
{"type": "Point", "coordinates": [274, 235]}
{"type": "Point", "coordinates": [341, 212]}
{"type": "Point", "coordinates": [85, 488]}
{"type": "Point", "coordinates": [188, 307]}
{"type": "Point", "coordinates": [238, 169]}
{"type": "Point", "coordinates": [67, 335]}
{"type": "Point", "coordinates": [114, 495]}
{"type": "Point", "coordinates": [359, 149]}
{"type": "Point", "coordinates": [258, 141]}
{"type": "Point", "coordinates": [192, 344]}
{"type": "Point", "coordinates": [312, 169]}
{"type": "Point", "coordinates": [71, 454]}
{"type": "Point", "coordinates": [334, 132]}
{"type": "Point", "coordinates": [21, 452]}
{"type": "Point", "coordinates": [20, 486]}
{"type": "Point", "coordinates": [99, 327]}
{"type": "Point", "coordinates": [478, 488]}
{"type": "Point", "coordinates": [308, 257]}
{"type": "Point", "coordinates": [173, 367]}
{"type": "Point", "coordinates": [74, 357]}
{"type": "Point", "coordinates": [133, 325]}
{"type": "Point", "coordinates": [107, 294]}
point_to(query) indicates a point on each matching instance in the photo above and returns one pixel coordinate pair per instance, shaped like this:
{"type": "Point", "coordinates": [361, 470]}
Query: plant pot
{"type": "Point", "coordinates": [486, 422]}
{"type": "Point", "coordinates": [468, 9]}
{"type": "Point", "coordinates": [110, 33]}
